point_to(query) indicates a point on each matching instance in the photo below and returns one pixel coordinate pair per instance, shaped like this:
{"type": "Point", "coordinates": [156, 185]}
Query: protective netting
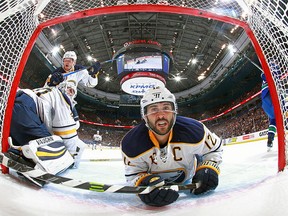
{"type": "Point", "coordinates": [19, 19]}
{"type": "Point", "coordinates": [268, 22]}
{"type": "Point", "coordinates": [60, 8]}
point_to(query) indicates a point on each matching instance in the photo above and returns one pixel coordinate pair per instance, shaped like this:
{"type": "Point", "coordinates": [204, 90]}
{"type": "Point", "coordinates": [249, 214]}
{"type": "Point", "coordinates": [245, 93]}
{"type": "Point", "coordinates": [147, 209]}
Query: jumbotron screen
{"type": "Point", "coordinates": [143, 61]}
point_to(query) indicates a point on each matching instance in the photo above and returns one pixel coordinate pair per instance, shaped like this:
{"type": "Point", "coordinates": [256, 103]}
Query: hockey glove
{"type": "Point", "coordinates": [56, 78]}
{"type": "Point", "coordinates": [207, 175]}
{"type": "Point", "coordinates": [159, 196]}
{"type": "Point", "coordinates": [95, 68]}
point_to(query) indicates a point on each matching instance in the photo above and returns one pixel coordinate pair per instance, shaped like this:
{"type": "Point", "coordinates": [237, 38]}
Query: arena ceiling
{"type": "Point", "coordinates": [185, 37]}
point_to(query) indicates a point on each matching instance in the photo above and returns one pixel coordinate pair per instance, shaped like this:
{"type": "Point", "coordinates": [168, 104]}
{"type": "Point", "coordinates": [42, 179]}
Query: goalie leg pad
{"type": "Point", "coordinates": [49, 154]}
{"type": "Point", "coordinates": [31, 148]}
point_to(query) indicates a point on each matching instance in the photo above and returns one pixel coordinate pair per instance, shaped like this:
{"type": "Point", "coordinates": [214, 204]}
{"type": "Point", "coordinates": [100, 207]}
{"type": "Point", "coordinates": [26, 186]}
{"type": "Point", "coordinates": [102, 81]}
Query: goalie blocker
{"type": "Point", "coordinates": [49, 154]}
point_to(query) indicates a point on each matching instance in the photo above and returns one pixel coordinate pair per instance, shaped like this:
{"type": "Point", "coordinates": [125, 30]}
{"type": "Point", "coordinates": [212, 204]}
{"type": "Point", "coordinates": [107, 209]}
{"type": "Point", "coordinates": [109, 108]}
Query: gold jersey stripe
{"type": "Point", "coordinates": [66, 132]}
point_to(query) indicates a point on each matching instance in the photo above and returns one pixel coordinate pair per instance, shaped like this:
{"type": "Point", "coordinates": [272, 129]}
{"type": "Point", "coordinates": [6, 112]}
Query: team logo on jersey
{"type": "Point", "coordinates": [163, 154]}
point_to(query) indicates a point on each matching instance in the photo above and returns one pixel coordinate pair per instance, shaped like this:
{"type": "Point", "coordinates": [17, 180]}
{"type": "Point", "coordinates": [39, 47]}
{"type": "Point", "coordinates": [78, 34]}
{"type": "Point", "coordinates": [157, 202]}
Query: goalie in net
{"type": "Point", "coordinates": [43, 130]}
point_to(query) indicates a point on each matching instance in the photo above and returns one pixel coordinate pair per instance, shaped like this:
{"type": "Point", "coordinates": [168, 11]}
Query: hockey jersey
{"type": "Point", "coordinates": [97, 137]}
{"type": "Point", "coordinates": [275, 70]}
{"type": "Point", "coordinates": [176, 162]}
{"type": "Point", "coordinates": [81, 77]}
{"type": "Point", "coordinates": [55, 111]}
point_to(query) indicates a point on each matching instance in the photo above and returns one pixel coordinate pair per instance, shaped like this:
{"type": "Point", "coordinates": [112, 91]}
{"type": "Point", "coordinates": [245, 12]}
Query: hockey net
{"type": "Point", "coordinates": [264, 21]}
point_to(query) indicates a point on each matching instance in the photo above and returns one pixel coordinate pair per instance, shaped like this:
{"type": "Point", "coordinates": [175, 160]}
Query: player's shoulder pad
{"type": "Point", "coordinates": [187, 130]}
{"type": "Point", "coordinates": [136, 141]}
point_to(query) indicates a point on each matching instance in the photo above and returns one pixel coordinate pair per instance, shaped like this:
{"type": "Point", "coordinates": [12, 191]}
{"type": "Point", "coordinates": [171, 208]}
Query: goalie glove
{"type": "Point", "coordinates": [207, 175]}
{"type": "Point", "coordinates": [95, 69]}
{"type": "Point", "coordinates": [159, 196]}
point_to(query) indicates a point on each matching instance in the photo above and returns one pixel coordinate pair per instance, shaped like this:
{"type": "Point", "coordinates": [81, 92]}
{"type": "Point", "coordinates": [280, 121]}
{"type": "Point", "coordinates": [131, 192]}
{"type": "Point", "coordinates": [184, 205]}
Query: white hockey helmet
{"type": "Point", "coordinates": [71, 55]}
{"type": "Point", "coordinates": [156, 95]}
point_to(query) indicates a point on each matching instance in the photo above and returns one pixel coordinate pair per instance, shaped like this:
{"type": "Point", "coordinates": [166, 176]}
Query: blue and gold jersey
{"type": "Point", "coordinates": [82, 76]}
{"type": "Point", "coordinates": [176, 161]}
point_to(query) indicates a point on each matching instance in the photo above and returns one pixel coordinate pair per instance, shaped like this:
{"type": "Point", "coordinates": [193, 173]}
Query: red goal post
{"type": "Point", "coordinates": [264, 21]}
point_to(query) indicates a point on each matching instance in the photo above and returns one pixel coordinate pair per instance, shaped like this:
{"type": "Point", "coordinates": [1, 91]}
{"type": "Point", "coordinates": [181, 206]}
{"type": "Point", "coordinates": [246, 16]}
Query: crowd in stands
{"type": "Point", "coordinates": [102, 118]}
{"type": "Point", "coordinates": [246, 119]}
{"type": "Point", "coordinates": [220, 109]}
{"type": "Point", "coordinates": [110, 136]}
{"type": "Point", "coordinates": [245, 122]}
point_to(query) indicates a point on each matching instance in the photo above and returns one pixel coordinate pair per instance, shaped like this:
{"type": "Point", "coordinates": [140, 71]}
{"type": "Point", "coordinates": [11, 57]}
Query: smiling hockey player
{"type": "Point", "coordinates": [167, 149]}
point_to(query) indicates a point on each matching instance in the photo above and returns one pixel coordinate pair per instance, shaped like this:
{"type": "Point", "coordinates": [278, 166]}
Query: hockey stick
{"type": "Point", "coordinates": [85, 68]}
{"type": "Point", "coordinates": [90, 186]}
{"type": "Point", "coordinates": [73, 72]}
{"type": "Point", "coordinates": [101, 159]}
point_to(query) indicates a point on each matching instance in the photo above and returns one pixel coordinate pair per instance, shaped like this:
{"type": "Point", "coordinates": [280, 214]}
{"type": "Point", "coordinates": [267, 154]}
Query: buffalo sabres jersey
{"type": "Point", "coordinates": [97, 137]}
{"type": "Point", "coordinates": [175, 162]}
{"type": "Point", "coordinates": [81, 77]}
{"type": "Point", "coordinates": [55, 111]}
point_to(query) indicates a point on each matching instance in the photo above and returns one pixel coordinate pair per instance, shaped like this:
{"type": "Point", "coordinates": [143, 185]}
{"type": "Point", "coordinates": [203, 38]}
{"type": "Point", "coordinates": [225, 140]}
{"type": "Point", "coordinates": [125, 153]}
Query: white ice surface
{"type": "Point", "coordinates": [249, 185]}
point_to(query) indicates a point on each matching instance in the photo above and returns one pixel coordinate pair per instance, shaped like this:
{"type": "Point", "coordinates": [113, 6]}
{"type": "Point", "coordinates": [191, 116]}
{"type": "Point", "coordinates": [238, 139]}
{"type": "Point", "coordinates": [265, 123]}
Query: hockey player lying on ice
{"type": "Point", "coordinates": [166, 150]}
{"type": "Point", "coordinates": [43, 128]}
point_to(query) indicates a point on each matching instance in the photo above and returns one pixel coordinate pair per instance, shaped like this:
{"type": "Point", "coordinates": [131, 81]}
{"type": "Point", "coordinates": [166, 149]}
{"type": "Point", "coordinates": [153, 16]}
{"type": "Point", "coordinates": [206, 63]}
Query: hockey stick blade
{"type": "Point", "coordinates": [90, 186]}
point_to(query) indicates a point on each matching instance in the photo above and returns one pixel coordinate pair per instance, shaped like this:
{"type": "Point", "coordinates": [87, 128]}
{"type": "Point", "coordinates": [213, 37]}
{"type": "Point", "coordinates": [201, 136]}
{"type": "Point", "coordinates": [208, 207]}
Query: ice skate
{"type": "Point", "coordinates": [269, 145]}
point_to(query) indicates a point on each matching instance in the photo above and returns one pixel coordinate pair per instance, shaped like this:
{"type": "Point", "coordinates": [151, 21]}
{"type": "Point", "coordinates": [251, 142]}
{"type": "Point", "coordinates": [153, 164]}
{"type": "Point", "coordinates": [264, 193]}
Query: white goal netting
{"type": "Point", "coordinates": [265, 22]}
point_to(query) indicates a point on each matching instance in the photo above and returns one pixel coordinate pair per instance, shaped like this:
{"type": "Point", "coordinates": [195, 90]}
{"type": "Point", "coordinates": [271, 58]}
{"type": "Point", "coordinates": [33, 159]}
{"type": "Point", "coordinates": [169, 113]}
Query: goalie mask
{"type": "Point", "coordinates": [157, 95]}
{"type": "Point", "coordinates": [69, 88]}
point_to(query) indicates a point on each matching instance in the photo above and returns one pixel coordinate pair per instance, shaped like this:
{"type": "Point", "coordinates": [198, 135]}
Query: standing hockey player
{"type": "Point", "coordinates": [43, 128]}
{"type": "Point", "coordinates": [97, 140]}
{"type": "Point", "coordinates": [87, 78]}
{"type": "Point", "coordinates": [267, 104]}
{"type": "Point", "coordinates": [168, 149]}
